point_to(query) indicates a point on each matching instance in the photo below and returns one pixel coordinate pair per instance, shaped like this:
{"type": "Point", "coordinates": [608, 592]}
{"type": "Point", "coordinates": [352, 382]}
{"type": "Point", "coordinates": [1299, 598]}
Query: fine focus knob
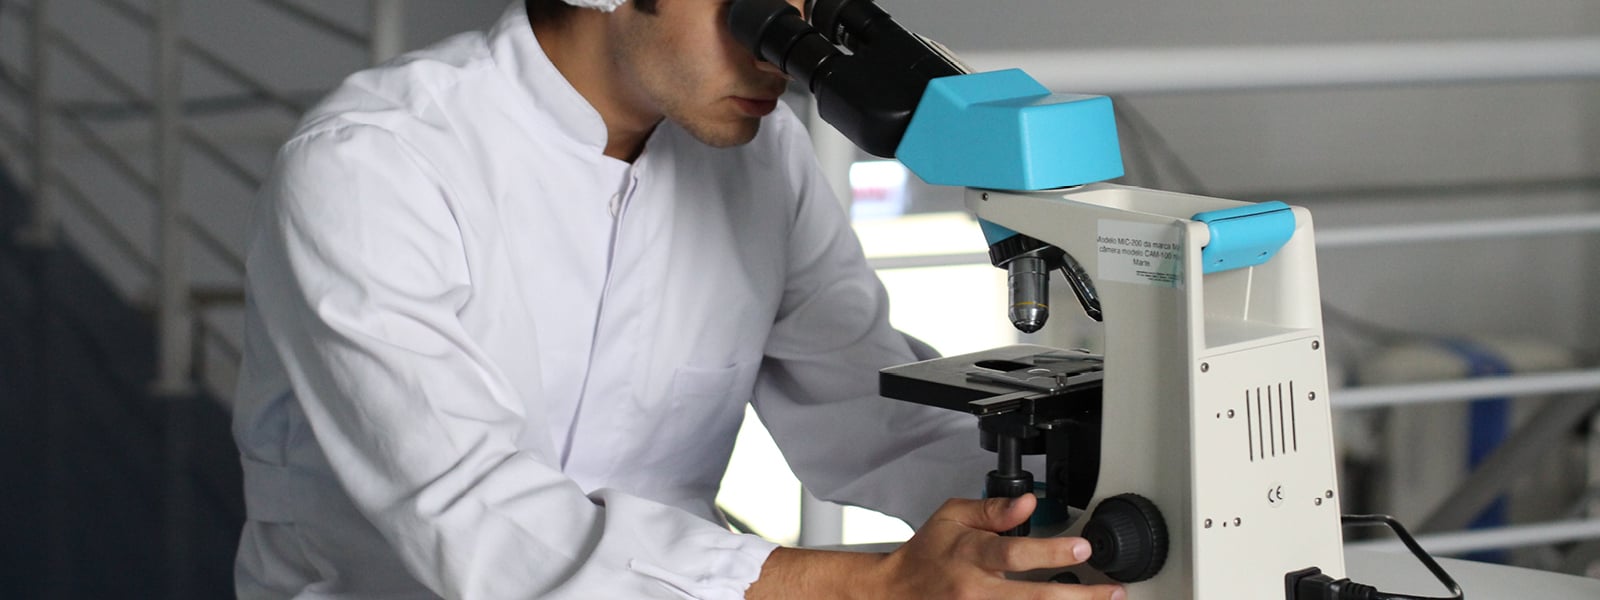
{"type": "Point", "coordinates": [1129, 538]}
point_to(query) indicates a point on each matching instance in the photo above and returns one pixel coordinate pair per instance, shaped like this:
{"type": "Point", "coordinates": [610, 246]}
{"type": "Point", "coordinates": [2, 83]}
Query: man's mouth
{"type": "Point", "coordinates": [756, 107]}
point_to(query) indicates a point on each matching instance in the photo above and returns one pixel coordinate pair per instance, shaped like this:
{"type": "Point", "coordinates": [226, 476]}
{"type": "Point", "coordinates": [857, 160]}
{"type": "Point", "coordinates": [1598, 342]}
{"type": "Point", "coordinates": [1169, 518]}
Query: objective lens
{"type": "Point", "coordinates": [1029, 279]}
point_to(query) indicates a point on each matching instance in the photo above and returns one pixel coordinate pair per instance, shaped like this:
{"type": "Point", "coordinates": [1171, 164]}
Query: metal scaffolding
{"type": "Point", "coordinates": [181, 332]}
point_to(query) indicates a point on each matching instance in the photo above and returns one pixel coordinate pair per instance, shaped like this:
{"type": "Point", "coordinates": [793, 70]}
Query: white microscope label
{"type": "Point", "coordinates": [1133, 252]}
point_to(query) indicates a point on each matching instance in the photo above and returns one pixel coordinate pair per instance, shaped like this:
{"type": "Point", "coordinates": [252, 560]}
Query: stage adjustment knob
{"type": "Point", "coordinates": [1129, 538]}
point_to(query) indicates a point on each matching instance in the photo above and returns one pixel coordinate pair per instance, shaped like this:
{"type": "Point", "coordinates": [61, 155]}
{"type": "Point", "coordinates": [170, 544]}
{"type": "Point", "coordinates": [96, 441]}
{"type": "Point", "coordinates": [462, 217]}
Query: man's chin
{"type": "Point", "coordinates": [724, 135]}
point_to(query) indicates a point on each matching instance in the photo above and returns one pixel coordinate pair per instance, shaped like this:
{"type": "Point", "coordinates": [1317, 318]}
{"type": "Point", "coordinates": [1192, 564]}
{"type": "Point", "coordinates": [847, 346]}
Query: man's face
{"type": "Point", "coordinates": [683, 64]}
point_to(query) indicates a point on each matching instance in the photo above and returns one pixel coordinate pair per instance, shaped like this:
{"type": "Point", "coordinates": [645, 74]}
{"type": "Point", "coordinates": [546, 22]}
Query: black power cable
{"type": "Point", "coordinates": [1312, 584]}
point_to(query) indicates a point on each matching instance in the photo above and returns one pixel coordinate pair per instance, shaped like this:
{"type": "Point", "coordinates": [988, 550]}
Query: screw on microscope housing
{"type": "Point", "coordinates": [1316, 345]}
{"type": "Point", "coordinates": [1205, 367]}
{"type": "Point", "coordinates": [986, 197]}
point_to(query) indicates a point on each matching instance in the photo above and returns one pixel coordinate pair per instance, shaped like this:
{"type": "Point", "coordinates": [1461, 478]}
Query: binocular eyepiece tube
{"type": "Point", "coordinates": [774, 31]}
{"type": "Point", "coordinates": [867, 72]}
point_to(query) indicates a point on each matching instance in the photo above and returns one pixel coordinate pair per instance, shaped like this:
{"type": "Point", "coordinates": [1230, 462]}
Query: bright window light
{"type": "Point", "coordinates": [878, 188]}
{"type": "Point", "coordinates": [956, 309]}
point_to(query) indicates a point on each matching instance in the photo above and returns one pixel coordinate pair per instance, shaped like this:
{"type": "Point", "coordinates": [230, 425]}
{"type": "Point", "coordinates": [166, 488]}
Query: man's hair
{"type": "Point", "coordinates": [556, 11]}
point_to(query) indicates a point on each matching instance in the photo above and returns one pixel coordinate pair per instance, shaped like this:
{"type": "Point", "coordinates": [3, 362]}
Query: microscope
{"type": "Point", "coordinates": [1196, 454]}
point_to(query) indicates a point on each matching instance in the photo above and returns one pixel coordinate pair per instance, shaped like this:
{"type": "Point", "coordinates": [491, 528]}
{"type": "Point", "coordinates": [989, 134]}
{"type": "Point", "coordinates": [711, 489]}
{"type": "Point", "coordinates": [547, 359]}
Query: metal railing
{"type": "Point", "coordinates": [182, 333]}
{"type": "Point", "coordinates": [1310, 66]}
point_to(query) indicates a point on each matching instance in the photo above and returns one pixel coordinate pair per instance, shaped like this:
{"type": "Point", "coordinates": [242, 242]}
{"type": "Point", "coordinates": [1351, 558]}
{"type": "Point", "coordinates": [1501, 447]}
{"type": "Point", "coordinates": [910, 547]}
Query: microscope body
{"type": "Point", "coordinates": [1215, 394]}
{"type": "Point", "coordinates": [1209, 408]}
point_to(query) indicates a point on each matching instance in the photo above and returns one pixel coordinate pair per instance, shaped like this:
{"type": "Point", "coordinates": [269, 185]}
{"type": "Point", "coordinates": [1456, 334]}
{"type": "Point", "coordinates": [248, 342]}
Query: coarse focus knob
{"type": "Point", "coordinates": [1129, 538]}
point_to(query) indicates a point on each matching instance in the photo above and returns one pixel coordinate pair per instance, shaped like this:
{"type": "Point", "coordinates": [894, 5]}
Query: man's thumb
{"type": "Point", "coordinates": [1004, 514]}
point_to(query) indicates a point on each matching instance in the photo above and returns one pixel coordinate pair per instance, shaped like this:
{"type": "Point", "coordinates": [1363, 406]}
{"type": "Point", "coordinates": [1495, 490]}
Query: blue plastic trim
{"type": "Point", "coordinates": [1245, 236]}
{"type": "Point", "coordinates": [1004, 130]}
{"type": "Point", "coordinates": [994, 233]}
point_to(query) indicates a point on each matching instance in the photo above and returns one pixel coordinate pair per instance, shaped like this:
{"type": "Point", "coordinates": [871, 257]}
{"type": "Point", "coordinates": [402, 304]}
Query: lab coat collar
{"type": "Point", "coordinates": [517, 52]}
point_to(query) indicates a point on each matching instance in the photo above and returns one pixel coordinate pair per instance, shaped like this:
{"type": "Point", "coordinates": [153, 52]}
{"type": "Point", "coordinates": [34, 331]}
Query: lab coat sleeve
{"type": "Point", "coordinates": [817, 392]}
{"type": "Point", "coordinates": [360, 272]}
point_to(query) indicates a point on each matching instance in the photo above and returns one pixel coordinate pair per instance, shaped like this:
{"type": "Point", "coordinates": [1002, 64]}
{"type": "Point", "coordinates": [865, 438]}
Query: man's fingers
{"type": "Point", "coordinates": [1014, 554]}
{"type": "Point", "coordinates": [957, 553]}
{"type": "Point", "coordinates": [993, 514]}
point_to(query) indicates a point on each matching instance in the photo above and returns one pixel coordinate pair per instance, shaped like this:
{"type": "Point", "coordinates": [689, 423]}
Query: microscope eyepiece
{"type": "Point", "coordinates": [870, 93]}
{"type": "Point", "coordinates": [749, 20]}
{"type": "Point", "coordinates": [860, 26]}
{"type": "Point", "coordinates": [774, 31]}
{"type": "Point", "coordinates": [837, 19]}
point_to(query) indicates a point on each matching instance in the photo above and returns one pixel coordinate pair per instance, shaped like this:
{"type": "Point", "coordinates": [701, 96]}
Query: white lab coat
{"type": "Point", "coordinates": [484, 360]}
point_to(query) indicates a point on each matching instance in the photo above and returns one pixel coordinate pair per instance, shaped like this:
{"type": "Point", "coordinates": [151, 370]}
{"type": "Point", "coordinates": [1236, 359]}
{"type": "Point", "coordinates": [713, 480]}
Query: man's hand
{"type": "Point", "coordinates": [956, 554]}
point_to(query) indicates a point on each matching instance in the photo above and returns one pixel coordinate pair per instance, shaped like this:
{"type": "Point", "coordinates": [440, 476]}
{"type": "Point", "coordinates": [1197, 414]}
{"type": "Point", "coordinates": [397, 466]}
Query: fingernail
{"type": "Point", "coordinates": [1081, 551]}
{"type": "Point", "coordinates": [1118, 594]}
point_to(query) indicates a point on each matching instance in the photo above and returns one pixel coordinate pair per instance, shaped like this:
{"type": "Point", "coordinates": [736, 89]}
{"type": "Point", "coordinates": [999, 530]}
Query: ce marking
{"type": "Point", "coordinates": [1275, 495]}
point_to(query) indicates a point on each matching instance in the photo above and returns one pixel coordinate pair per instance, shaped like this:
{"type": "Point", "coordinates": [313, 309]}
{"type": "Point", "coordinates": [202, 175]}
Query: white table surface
{"type": "Point", "coordinates": [1403, 573]}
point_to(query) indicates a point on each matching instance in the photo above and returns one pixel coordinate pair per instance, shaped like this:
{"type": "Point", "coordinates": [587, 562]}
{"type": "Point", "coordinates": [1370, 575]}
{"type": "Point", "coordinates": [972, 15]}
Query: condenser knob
{"type": "Point", "coordinates": [1129, 538]}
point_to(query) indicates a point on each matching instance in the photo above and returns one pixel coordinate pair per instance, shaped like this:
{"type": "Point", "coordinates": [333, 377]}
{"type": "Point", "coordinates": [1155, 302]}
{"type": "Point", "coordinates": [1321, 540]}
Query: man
{"type": "Point", "coordinates": [508, 297]}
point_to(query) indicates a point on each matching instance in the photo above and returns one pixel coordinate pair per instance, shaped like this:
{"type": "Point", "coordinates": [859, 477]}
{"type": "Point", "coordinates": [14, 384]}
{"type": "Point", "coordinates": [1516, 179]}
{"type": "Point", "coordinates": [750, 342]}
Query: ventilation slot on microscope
{"type": "Point", "coordinates": [1270, 421]}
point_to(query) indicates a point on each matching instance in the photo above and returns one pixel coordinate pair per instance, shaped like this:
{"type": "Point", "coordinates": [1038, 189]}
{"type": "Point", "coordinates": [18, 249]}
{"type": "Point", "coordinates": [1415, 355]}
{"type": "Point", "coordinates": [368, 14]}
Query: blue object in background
{"type": "Point", "coordinates": [1004, 130]}
{"type": "Point", "coordinates": [1488, 426]}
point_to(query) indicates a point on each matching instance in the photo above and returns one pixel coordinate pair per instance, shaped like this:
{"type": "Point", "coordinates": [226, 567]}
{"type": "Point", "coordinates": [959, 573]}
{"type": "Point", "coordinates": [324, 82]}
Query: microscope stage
{"type": "Point", "coordinates": [994, 380]}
